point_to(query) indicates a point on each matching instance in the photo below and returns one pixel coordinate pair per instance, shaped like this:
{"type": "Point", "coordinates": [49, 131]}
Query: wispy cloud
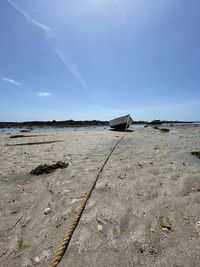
{"type": "Point", "coordinates": [49, 34]}
{"type": "Point", "coordinates": [31, 20]}
{"type": "Point", "coordinates": [70, 66]}
{"type": "Point", "coordinates": [10, 81]}
{"type": "Point", "coordinates": [43, 94]}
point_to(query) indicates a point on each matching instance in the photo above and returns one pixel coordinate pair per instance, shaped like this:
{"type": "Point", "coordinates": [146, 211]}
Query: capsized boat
{"type": "Point", "coordinates": [121, 123]}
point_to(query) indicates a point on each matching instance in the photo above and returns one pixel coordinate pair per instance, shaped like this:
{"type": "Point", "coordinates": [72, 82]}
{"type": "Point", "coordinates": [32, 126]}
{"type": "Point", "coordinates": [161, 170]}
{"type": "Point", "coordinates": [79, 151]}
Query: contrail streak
{"type": "Point", "coordinates": [48, 34]}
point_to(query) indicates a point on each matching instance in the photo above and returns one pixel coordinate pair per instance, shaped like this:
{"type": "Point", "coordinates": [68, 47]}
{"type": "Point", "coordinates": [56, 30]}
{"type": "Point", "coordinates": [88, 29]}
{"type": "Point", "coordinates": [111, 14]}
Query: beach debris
{"type": "Point", "coordinates": [22, 136]}
{"type": "Point", "coordinates": [164, 130]}
{"type": "Point", "coordinates": [47, 211]}
{"type": "Point", "coordinates": [198, 223]}
{"type": "Point", "coordinates": [196, 189]}
{"type": "Point", "coordinates": [46, 168]}
{"type": "Point", "coordinates": [139, 194]}
{"type": "Point", "coordinates": [34, 143]}
{"type": "Point", "coordinates": [99, 227]}
{"type": "Point", "coordinates": [156, 128]}
{"type": "Point", "coordinates": [17, 136]}
{"type": "Point", "coordinates": [165, 224]}
{"type": "Point", "coordinates": [196, 153]}
{"type": "Point", "coordinates": [23, 245]}
{"type": "Point", "coordinates": [25, 131]}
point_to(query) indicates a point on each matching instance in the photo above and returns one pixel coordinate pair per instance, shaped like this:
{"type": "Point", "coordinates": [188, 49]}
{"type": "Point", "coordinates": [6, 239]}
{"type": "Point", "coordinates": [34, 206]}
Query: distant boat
{"type": "Point", "coordinates": [121, 123]}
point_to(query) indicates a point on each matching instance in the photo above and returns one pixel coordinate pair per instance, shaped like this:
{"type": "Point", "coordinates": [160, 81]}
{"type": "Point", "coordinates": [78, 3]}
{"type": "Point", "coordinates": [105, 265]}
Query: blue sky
{"type": "Point", "coordinates": [99, 59]}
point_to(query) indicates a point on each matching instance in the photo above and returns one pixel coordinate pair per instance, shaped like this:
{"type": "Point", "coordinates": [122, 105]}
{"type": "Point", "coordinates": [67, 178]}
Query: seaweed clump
{"type": "Point", "coordinates": [196, 153]}
{"type": "Point", "coordinates": [46, 168]}
{"type": "Point", "coordinates": [34, 143]}
{"type": "Point", "coordinates": [164, 130]}
{"type": "Point", "coordinates": [17, 136]}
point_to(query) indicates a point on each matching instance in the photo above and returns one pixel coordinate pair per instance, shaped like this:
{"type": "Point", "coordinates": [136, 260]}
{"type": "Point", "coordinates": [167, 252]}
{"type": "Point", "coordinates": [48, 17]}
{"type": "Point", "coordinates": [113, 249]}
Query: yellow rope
{"type": "Point", "coordinates": [66, 239]}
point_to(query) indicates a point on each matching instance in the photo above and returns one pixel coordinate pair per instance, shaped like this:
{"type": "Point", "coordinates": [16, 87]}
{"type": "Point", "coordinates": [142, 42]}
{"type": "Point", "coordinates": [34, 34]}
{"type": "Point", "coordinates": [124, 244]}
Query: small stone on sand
{"type": "Point", "coordinates": [100, 227]}
{"type": "Point", "coordinates": [164, 223]}
{"type": "Point", "coordinates": [47, 211]}
{"type": "Point", "coordinates": [198, 224]}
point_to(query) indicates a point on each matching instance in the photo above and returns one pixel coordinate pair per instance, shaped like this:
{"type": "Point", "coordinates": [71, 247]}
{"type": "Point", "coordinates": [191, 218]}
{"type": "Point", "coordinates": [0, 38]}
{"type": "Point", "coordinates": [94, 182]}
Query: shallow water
{"type": "Point", "coordinates": [61, 129]}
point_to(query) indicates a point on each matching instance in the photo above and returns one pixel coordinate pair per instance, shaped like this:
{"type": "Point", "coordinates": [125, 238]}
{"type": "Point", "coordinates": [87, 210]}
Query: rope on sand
{"type": "Point", "coordinates": [67, 237]}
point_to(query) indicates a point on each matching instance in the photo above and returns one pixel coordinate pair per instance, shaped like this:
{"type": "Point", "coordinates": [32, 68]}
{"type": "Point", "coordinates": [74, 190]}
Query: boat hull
{"type": "Point", "coordinates": [120, 127]}
{"type": "Point", "coordinates": [121, 123]}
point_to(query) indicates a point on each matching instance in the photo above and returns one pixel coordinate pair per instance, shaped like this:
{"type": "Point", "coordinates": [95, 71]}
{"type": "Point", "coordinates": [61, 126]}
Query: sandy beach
{"type": "Point", "coordinates": [143, 211]}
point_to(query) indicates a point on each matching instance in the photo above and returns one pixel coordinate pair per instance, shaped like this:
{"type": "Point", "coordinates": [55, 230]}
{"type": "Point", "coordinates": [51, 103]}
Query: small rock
{"type": "Point", "coordinates": [164, 223]}
{"type": "Point", "coordinates": [121, 176]}
{"type": "Point", "coordinates": [198, 223]}
{"type": "Point", "coordinates": [100, 227]}
{"type": "Point", "coordinates": [47, 211]}
{"type": "Point", "coordinates": [141, 250]}
{"type": "Point", "coordinates": [196, 153]}
{"type": "Point", "coordinates": [164, 130]}
{"type": "Point", "coordinates": [196, 189]}
{"type": "Point", "coordinates": [36, 259]}
{"type": "Point", "coordinates": [139, 164]}
{"type": "Point", "coordinates": [165, 230]}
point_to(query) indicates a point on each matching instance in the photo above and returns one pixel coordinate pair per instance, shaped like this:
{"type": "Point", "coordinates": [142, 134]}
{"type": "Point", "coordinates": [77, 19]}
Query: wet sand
{"type": "Point", "coordinates": [150, 175]}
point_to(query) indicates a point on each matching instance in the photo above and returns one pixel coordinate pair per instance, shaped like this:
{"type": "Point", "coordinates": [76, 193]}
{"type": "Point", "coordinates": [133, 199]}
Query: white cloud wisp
{"type": "Point", "coordinates": [48, 34]}
{"type": "Point", "coordinates": [10, 81]}
{"type": "Point", "coordinates": [43, 94]}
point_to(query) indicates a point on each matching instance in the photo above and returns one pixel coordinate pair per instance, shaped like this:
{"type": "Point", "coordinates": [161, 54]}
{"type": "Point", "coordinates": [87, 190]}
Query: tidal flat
{"type": "Point", "coordinates": [143, 211]}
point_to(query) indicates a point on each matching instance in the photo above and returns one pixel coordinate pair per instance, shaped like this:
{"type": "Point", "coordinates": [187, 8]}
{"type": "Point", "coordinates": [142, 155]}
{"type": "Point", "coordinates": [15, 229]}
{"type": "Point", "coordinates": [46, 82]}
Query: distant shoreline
{"type": "Point", "coordinates": [72, 123]}
{"type": "Point", "coordinates": [68, 123]}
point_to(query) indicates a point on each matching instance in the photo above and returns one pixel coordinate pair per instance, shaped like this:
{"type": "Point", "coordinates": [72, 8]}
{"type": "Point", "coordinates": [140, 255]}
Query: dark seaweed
{"type": "Point", "coordinates": [196, 153]}
{"type": "Point", "coordinates": [46, 168]}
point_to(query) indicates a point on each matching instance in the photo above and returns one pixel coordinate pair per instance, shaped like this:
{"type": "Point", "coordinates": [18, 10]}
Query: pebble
{"type": "Point", "coordinates": [36, 259]}
{"type": "Point", "coordinates": [165, 230]}
{"type": "Point", "coordinates": [47, 211]}
{"type": "Point", "coordinates": [100, 227]}
{"type": "Point", "coordinates": [164, 223]}
{"type": "Point", "coordinates": [198, 223]}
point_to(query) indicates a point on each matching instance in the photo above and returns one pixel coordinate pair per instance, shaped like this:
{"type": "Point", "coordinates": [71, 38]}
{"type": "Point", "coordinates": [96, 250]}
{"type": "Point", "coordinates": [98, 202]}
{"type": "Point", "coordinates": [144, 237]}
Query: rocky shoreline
{"type": "Point", "coordinates": [53, 123]}
{"type": "Point", "coordinates": [84, 123]}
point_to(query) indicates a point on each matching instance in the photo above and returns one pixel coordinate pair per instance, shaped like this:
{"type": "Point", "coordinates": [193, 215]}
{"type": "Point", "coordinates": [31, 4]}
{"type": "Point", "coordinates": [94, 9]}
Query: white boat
{"type": "Point", "coordinates": [121, 123]}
